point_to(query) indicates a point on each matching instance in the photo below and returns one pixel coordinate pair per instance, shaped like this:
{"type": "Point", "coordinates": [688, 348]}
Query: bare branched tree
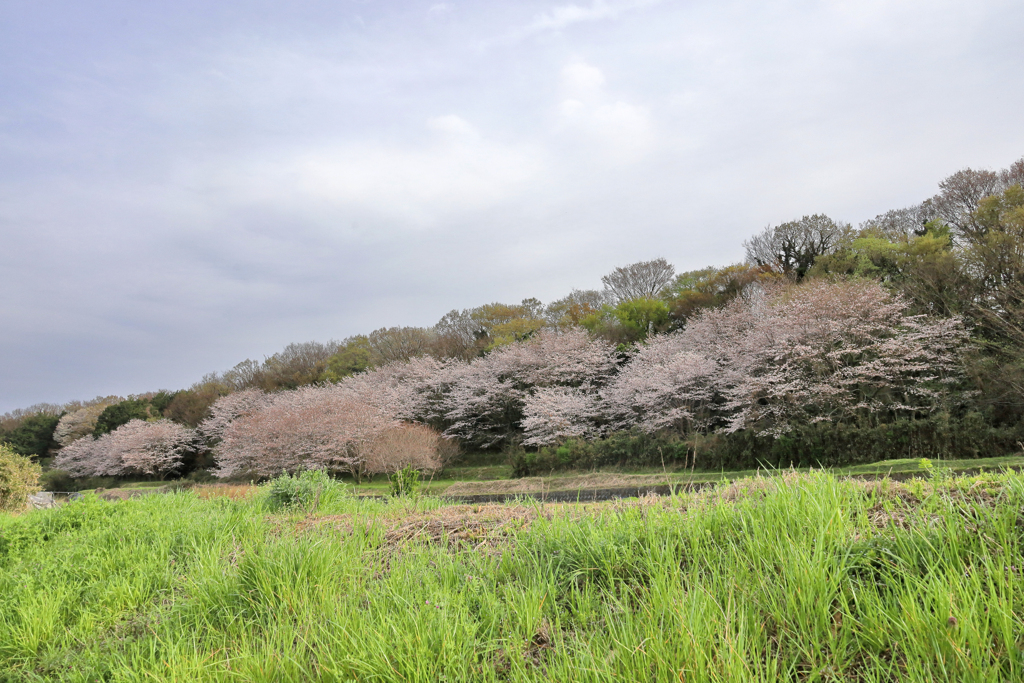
{"type": "Point", "coordinates": [644, 279]}
{"type": "Point", "coordinates": [400, 343]}
{"type": "Point", "coordinates": [791, 248]}
{"type": "Point", "coordinates": [960, 196]}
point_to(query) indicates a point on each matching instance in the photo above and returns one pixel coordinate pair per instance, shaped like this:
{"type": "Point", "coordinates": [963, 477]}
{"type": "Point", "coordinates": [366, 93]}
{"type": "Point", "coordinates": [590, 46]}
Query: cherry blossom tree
{"type": "Point", "coordinates": [308, 428]}
{"type": "Point", "coordinates": [484, 400]}
{"type": "Point", "coordinates": [228, 408]}
{"type": "Point", "coordinates": [783, 355]}
{"type": "Point", "coordinates": [79, 423]}
{"type": "Point", "coordinates": [152, 448]}
{"type": "Point", "coordinates": [553, 414]}
{"type": "Point", "coordinates": [405, 390]}
{"type": "Point", "coordinates": [137, 447]}
{"type": "Point", "coordinates": [669, 384]}
{"type": "Point", "coordinates": [90, 457]}
{"type": "Point", "coordinates": [838, 351]}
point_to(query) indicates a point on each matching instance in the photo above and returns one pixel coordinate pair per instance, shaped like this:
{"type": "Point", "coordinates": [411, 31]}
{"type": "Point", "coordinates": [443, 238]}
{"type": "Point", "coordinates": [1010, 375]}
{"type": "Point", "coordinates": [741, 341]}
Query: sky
{"type": "Point", "coordinates": [187, 184]}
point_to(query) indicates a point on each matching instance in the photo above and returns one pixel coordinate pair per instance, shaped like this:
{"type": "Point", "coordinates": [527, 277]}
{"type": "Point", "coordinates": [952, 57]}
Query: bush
{"type": "Point", "coordinates": [405, 482]}
{"type": "Point", "coordinates": [620, 449]}
{"type": "Point", "coordinates": [58, 480]}
{"type": "Point", "coordinates": [937, 437]}
{"type": "Point", "coordinates": [19, 478]}
{"type": "Point", "coordinates": [305, 491]}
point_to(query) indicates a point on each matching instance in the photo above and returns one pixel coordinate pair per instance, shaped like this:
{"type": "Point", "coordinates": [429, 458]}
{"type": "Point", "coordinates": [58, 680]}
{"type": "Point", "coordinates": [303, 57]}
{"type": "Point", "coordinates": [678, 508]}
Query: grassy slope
{"type": "Point", "coordinates": [796, 577]}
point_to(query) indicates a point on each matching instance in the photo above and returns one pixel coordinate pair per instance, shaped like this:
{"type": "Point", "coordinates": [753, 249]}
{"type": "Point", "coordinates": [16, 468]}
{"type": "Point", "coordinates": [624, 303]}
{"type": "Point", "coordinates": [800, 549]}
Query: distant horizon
{"type": "Point", "coordinates": [184, 186]}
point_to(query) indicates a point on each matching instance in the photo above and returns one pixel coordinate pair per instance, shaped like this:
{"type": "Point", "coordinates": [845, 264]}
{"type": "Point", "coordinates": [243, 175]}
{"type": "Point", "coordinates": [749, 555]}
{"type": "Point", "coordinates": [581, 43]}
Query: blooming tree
{"type": "Point", "coordinates": [783, 355]}
{"type": "Point", "coordinates": [405, 390]}
{"type": "Point", "coordinates": [552, 414]}
{"type": "Point", "coordinates": [79, 423]}
{"type": "Point", "coordinates": [838, 351]}
{"type": "Point", "coordinates": [229, 408]}
{"type": "Point", "coordinates": [484, 399]}
{"type": "Point", "coordinates": [137, 447]}
{"type": "Point", "coordinates": [315, 427]}
{"type": "Point", "coordinates": [669, 384]}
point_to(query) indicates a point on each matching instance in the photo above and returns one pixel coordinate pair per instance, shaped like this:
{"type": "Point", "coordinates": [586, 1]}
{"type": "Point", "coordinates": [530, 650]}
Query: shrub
{"type": "Point", "coordinates": [58, 480]}
{"type": "Point", "coordinates": [405, 446]}
{"type": "Point", "coordinates": [19, 478]}
{"type": "Point", "coordinates": [937, 437]}
{"type": "Point", "coordinates": [306, 490]}
{"type": "Point", "coordinates": [620, 449]}
{"type": "Point", "coordinates": [405, 482]}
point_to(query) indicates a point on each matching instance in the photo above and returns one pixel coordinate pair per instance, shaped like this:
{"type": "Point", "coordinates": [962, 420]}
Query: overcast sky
{"type": "Point", "coordinates": [187, 184]}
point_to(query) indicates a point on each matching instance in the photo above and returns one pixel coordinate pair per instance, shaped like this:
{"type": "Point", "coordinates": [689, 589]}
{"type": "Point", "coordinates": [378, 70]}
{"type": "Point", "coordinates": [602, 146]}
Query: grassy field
{"type": "Point", "coordinates": [794, 577]}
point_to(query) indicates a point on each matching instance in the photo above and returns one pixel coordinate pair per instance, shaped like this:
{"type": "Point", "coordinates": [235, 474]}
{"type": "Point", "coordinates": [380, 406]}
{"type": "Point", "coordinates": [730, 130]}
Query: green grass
{"type": "Point", "coordinates": [786, 578]}
{"type": "Point", "coordinates": [570, 480]}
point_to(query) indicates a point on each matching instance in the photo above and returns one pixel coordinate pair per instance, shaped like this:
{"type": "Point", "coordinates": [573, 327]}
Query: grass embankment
{"type": "Point", "coordinates": [794, 577]}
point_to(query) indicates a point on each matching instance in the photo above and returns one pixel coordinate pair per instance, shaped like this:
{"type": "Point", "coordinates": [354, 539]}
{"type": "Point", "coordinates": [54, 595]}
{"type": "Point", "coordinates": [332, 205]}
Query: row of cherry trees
{"type": "Point", "coordinates": [775, 357]}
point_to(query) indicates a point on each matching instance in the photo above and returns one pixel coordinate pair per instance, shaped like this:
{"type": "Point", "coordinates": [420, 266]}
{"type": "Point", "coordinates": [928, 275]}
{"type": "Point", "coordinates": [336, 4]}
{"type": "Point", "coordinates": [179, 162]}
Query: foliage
{"type": "Point", "coordinates": [307, 490]}
{"type": "Point", "coordinates": [19, 478]}
{"type": "Point", "coordinates": [405, 482]}
{"type": "Point", "coordinates": [936, 437]}
{"type": "Point", "coordinates": [33, 436]}
{"type": "Point", "coordinates": [628, 449]}
{"type": "Point", "coordinates": [113, 416]}
{"type": "Point", "coordinates": [697, 290]}
{"type": "Point", "coordinates": [191, 406]}
{"type": "Point", "coordinates": [354, 355]}
{"type": "Point", "coordinates": [79, 423]}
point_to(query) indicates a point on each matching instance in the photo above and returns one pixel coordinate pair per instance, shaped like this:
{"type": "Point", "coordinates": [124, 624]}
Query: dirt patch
{"type": "Point", "coordinates": [457, 526]}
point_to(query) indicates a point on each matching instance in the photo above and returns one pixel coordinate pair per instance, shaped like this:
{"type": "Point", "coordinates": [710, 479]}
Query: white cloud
{"type": "Point", "coordinates": [583, 81]}
{"type": "Point", "coordinates": [420, 186]}
{"type": "Point", "coordinates": [453, 125]}
{"type": "Point", "coordinates": [621, 129]}
{"type": "Point", "coordinates": [558, 18]}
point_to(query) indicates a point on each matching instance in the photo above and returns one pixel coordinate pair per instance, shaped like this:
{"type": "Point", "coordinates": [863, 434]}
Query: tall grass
{"type": "Point", "coordinates": [782, 579]}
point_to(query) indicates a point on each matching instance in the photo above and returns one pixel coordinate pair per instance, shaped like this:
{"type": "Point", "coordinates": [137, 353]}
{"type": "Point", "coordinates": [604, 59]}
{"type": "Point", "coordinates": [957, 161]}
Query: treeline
{"type": "Point", "coordinates": [955, 262]}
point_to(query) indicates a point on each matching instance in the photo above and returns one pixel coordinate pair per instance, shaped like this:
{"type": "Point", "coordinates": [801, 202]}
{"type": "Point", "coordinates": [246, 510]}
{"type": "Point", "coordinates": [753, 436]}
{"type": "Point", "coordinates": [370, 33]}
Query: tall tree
{"type": "Point", "coordinates": [791, 248]}
{"type": "Point", "coordinates": [641, 280]}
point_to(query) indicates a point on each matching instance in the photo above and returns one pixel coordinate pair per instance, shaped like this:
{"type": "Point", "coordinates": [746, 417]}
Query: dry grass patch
{"type": "Point", "coordinates": [232, 491]}
{"type": "Point", "coordinates": [474, 526]}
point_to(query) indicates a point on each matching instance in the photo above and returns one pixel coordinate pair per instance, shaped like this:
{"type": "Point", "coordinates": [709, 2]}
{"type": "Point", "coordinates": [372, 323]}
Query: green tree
{"type": "Point", "coordinates": [33, 437]}
{"type": "Point", "coordinates": [112, 417]}
{"type": "Point", "coordinates": [696, 290]}
{"type": "Point", "coordinates": [629, 321]}
{"type": "Point", "coordinates": [19, 478]}
{"type": "Point", "coordinates": [355, 355]}
{"type": "Point", "coordinates": [191, 406]}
